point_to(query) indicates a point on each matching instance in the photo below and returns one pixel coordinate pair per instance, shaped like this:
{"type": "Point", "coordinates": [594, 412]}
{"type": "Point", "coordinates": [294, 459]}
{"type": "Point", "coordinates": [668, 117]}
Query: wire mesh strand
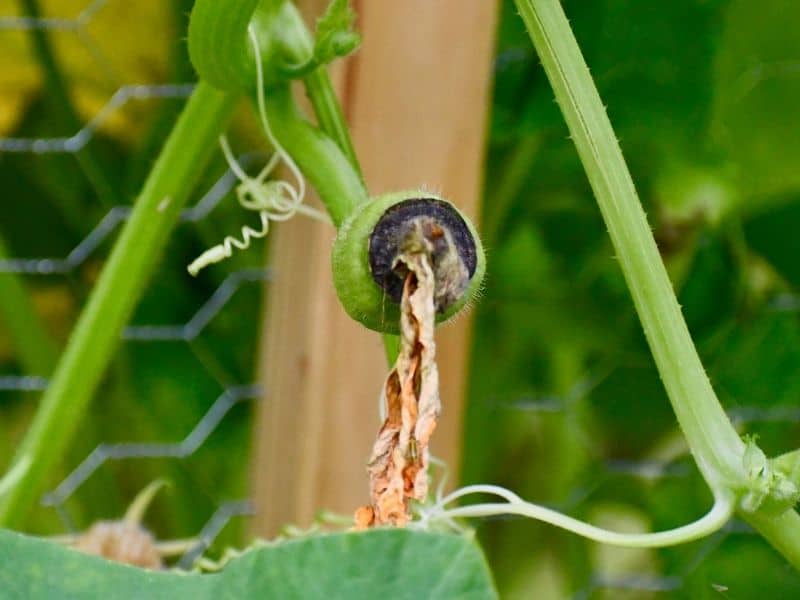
{"type": "Point", "coordinates": [128, 450]}
{"type": "Point", "coordinates": [103, 231]}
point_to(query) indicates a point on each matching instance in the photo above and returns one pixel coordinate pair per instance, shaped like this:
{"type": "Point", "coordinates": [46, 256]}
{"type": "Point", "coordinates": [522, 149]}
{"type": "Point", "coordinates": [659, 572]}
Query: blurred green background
{"type": "Point", "coordinates": [565, 405]}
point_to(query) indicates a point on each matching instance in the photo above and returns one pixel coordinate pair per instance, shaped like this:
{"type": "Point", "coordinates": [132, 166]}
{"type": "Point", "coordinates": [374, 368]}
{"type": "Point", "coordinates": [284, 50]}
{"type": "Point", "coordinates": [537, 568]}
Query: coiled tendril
{"type": "Point", "coordinates": [274, 200]}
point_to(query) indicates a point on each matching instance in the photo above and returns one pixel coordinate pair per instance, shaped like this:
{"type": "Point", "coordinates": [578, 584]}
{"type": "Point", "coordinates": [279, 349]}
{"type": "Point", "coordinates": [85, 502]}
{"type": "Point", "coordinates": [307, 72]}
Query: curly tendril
{"type": "Point", "coordinates": [274, 200]}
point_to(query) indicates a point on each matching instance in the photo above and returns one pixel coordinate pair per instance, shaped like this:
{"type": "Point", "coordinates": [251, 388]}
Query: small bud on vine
{"type": "Point", "coordinates": [767, 489]}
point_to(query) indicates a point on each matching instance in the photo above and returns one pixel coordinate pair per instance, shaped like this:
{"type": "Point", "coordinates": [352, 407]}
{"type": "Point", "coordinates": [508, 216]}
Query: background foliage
{"type": "Point", "coordinates": [565, 404]}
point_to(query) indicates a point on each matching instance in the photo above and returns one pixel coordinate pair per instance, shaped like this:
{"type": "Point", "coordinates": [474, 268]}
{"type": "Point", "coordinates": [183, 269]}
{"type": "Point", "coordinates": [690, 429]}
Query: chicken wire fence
{"type": "Point", "coordinates": [144, 333]}
{"type": "Point", "coordinates": [186, 332]}
{"type": "Point", "coordinates": [91, 245]}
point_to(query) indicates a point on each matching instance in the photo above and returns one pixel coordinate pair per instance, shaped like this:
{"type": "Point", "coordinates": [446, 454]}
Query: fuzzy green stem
{"type": "Point", "coordinates": [782, 532]}
{"type": "Point", "coordinates": [318, 156]}
{"type": "Point", "coordinates": [121, 283]}
{"type": "Point", "coordinates": [715, 444]}
{"type": "Point", "coordinates": [297, 46]}
{"type": "Point", "coordinates": [329, 113]}
{"type": "Point", "coordinates": [216, 36]}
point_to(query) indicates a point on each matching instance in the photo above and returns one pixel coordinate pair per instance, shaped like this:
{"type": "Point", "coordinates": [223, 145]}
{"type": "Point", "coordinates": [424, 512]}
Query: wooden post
{"type": "Point", "coordinates": [416, 97]}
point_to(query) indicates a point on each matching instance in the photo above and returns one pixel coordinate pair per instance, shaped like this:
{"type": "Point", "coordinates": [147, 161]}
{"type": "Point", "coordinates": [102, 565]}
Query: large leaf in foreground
{"type": "Point", "coordinates": [376, 564]}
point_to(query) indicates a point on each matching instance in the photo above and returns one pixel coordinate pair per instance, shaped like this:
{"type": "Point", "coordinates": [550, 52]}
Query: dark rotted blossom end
{"type": "Point", "coordinates": [368, 257]}
{"type": "Point", "coordinates": [423, 225]}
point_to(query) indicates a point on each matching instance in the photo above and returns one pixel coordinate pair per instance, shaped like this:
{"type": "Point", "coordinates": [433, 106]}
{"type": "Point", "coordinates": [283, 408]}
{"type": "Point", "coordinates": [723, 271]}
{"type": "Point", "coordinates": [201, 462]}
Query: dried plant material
{"type": "Point", "coordinates": [121, 541]}
{"type": "Point", "coordinates": [126, 541]}
{"type": "Point", "coordinates": [363, 518]}
{"type": "Point", "coordinates": [399, 462]}
{"type": "Point", "coordinates": [451, 275]}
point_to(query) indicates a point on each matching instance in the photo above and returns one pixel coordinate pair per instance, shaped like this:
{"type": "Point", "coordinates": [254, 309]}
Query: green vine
{"type": "Point", "coordinates": [725, 461]}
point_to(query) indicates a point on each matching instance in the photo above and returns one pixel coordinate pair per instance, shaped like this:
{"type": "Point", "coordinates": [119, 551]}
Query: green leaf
{"type": "Point", "coordinates": [375, 564]}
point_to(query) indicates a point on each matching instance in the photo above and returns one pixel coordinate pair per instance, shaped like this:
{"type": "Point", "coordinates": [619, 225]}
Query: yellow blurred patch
{"type": "Point", "coordinates": [122, 43]}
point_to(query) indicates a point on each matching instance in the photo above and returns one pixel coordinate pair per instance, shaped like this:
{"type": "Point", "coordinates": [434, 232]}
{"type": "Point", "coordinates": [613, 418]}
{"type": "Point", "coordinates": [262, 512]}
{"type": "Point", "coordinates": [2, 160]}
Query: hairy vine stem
{"type": "Point", "coordinates": [714, 442]}
{"type": "Point", "coordinates": [716, 446]}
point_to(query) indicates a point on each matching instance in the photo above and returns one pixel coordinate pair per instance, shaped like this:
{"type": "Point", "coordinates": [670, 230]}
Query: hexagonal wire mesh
{"type": "Point", "coordinates": [89, 245]}
{"type": "Point", "coordinates": [188, 331]}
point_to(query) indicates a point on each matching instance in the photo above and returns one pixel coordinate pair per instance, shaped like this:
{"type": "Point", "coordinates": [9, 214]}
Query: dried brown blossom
{"type": "Point", "coordinates": [121, 541]}
{"type": "Point", "coordinates": [126, 540]}
{"type": "Point", "coordinates": [399, 462]}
